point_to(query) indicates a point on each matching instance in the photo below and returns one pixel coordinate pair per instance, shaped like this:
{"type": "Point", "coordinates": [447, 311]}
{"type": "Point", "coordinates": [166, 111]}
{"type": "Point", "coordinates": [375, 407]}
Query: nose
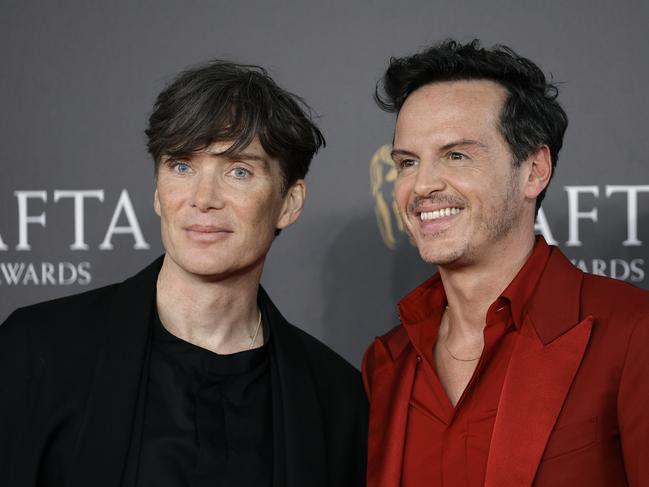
{"type": "Point", "coordinates": [429, 178]}
{"type": "Point", "coordinates": [208, 192]}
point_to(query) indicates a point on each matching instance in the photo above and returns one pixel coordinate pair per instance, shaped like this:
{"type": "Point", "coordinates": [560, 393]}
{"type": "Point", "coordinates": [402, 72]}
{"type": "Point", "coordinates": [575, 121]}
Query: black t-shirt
{"type": "Point", "coordinates": [207, 418]}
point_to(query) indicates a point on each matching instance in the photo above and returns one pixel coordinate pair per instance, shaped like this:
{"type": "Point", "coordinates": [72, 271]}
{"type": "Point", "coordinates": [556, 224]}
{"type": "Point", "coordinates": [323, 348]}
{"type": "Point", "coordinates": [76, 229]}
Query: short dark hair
{"type": "Point", "coordinates": [531, 115]}
{"type": "Point", "coordinates": [225, 101]}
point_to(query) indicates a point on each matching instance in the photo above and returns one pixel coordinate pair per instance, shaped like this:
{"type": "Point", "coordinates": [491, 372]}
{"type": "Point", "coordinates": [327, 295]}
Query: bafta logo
{"type": "Point", "coordinates": [383, 173]}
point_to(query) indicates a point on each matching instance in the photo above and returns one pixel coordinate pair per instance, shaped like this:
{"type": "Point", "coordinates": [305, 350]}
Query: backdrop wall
{"type": "Point", "coordinates": [79, 79]}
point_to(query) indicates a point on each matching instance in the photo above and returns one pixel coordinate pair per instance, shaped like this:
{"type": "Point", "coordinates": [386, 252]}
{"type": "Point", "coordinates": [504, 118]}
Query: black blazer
{"type": "Point", "coordinates": [72, 373]}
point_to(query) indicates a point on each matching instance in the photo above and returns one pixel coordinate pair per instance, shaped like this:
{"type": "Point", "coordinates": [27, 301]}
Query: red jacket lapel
{"type": "Point", "coordinates": [543, 365]}
{"type": "Point", "coordinates": [536, 385]}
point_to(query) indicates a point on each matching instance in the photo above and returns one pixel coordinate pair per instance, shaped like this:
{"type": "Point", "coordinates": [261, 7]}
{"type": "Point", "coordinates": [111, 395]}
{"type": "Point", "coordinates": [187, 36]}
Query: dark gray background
{"type": "Point", "coordinates": [79, 78]}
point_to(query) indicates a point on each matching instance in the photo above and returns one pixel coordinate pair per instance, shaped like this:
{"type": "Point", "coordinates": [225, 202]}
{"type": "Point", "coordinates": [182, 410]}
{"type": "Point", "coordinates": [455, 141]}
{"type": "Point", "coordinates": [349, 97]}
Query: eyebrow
{"type": "Point", "coordinates": [243, 155]}
{"type": "Point", "coordinates": [402, 152]}
{"type": "Point", "coordinates": [445, 147]}
{"type": "Point", "coordinates": [463, 142]}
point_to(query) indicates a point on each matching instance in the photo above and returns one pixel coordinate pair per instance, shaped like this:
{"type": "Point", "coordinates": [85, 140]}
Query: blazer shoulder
{"type": "Point", "coordinates": [604, 296]}
{"type": "Point", "coordinates": [334, 376]}
{"type": "Point", "coordinates": [52, 335]}
{"type": "Point", "coordinates": [322, 356]}
{"type": "Point", "coordinates": [68, 326]}
{"type": "Point", "coordinates": [81, 313]}
{"type": "Point", "coordinates": [65, 310]}
{"type": "Point", "coordinates": [618, 308]}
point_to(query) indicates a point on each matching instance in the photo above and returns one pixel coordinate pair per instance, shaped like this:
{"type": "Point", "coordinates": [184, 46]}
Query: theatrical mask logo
{"type": "Point", "coordinates": [383, 174]}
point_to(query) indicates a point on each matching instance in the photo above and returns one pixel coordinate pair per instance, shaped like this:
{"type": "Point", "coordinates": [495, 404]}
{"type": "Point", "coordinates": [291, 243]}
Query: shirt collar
{"type": "Point", "coordinates": [518, 294]}
{"type": "Point", "coordinates": [428, 299]}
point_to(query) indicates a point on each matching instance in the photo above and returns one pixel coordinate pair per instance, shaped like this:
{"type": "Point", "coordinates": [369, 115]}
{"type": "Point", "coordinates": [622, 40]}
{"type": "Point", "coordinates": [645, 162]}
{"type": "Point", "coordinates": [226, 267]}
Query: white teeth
{"type": "Point", "coordinates": [434, 215]}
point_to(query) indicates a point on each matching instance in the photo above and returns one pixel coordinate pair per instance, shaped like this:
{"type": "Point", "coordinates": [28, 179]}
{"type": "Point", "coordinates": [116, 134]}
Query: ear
{"type": "Point", "coordinates": [156, 202]}
{"type": "Point", "coordinates": [539, 171]}
{"type": "Point", "coordinates": [293, 204]}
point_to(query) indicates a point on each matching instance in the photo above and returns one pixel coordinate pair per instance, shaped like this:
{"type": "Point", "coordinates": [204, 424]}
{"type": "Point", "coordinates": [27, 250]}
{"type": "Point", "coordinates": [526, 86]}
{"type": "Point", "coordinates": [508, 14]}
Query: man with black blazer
{"type": "Point", "coordinates": [186, 373]}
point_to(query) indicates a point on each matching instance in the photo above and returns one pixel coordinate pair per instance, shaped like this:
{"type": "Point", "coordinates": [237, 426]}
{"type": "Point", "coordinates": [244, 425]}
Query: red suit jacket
{"type": "Point", "coordinates": [574, 408]}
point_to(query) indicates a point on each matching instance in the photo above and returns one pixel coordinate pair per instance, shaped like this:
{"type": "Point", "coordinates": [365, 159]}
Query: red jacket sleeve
{"type": "Point", "coordinates": [633, 406]}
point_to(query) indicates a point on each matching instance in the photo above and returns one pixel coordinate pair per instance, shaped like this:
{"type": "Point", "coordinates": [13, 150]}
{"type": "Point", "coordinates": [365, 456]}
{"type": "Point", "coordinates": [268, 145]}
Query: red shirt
{"type": "Point", "coordinates": [448, 446]}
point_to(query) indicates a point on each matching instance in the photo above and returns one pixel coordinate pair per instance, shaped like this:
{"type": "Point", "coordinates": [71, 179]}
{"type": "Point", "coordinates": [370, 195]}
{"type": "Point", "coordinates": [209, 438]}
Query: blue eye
{"type": "Point", "coordinates": [181, 168]}
{"type": "Point", "coordinates": [240, 172]}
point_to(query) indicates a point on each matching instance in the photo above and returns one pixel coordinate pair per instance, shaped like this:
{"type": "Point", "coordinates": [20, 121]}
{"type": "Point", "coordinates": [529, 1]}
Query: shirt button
{"type": "Point", "coordinates": [418, 358]}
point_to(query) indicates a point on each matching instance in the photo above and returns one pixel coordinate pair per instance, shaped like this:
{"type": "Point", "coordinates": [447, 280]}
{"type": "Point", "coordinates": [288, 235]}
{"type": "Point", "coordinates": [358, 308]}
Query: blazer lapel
{"type": "Point", "coordinates": [294, 393]}
{"type": "Point", "coordinates": [543, 365]}
{"type": "Point", "coordinates": [104, 442]}
{"type": "Point", "coordinates": [389, 398]}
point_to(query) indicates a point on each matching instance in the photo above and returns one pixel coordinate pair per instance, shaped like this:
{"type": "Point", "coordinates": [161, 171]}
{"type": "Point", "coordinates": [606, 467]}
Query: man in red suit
{"type": "Point", "coordinates": [510, 367]}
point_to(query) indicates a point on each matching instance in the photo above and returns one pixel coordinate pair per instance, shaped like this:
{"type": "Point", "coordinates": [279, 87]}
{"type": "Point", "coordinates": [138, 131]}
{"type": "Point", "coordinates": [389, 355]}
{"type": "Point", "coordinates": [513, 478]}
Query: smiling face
{"type": "Point", "coordinates": [219, 212]}
{"type": "Point", "coordinates": [458, 192]}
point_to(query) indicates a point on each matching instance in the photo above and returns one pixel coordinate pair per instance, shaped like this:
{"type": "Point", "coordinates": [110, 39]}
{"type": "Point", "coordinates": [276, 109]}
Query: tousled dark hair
{"type": "Point", "coordinates": [224, 101]}
{"type": "Point", "coordinates": [531, 115]}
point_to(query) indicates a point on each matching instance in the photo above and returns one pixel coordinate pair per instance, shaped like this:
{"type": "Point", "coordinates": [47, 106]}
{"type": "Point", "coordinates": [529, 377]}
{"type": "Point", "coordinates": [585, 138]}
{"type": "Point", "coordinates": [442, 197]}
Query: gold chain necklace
{"type": "Point", "coordinates": [253, 338]}
{"type": "Point", "coordinates": [458, 358]}
{"type": "Point", "coordinates": [453, 356]}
